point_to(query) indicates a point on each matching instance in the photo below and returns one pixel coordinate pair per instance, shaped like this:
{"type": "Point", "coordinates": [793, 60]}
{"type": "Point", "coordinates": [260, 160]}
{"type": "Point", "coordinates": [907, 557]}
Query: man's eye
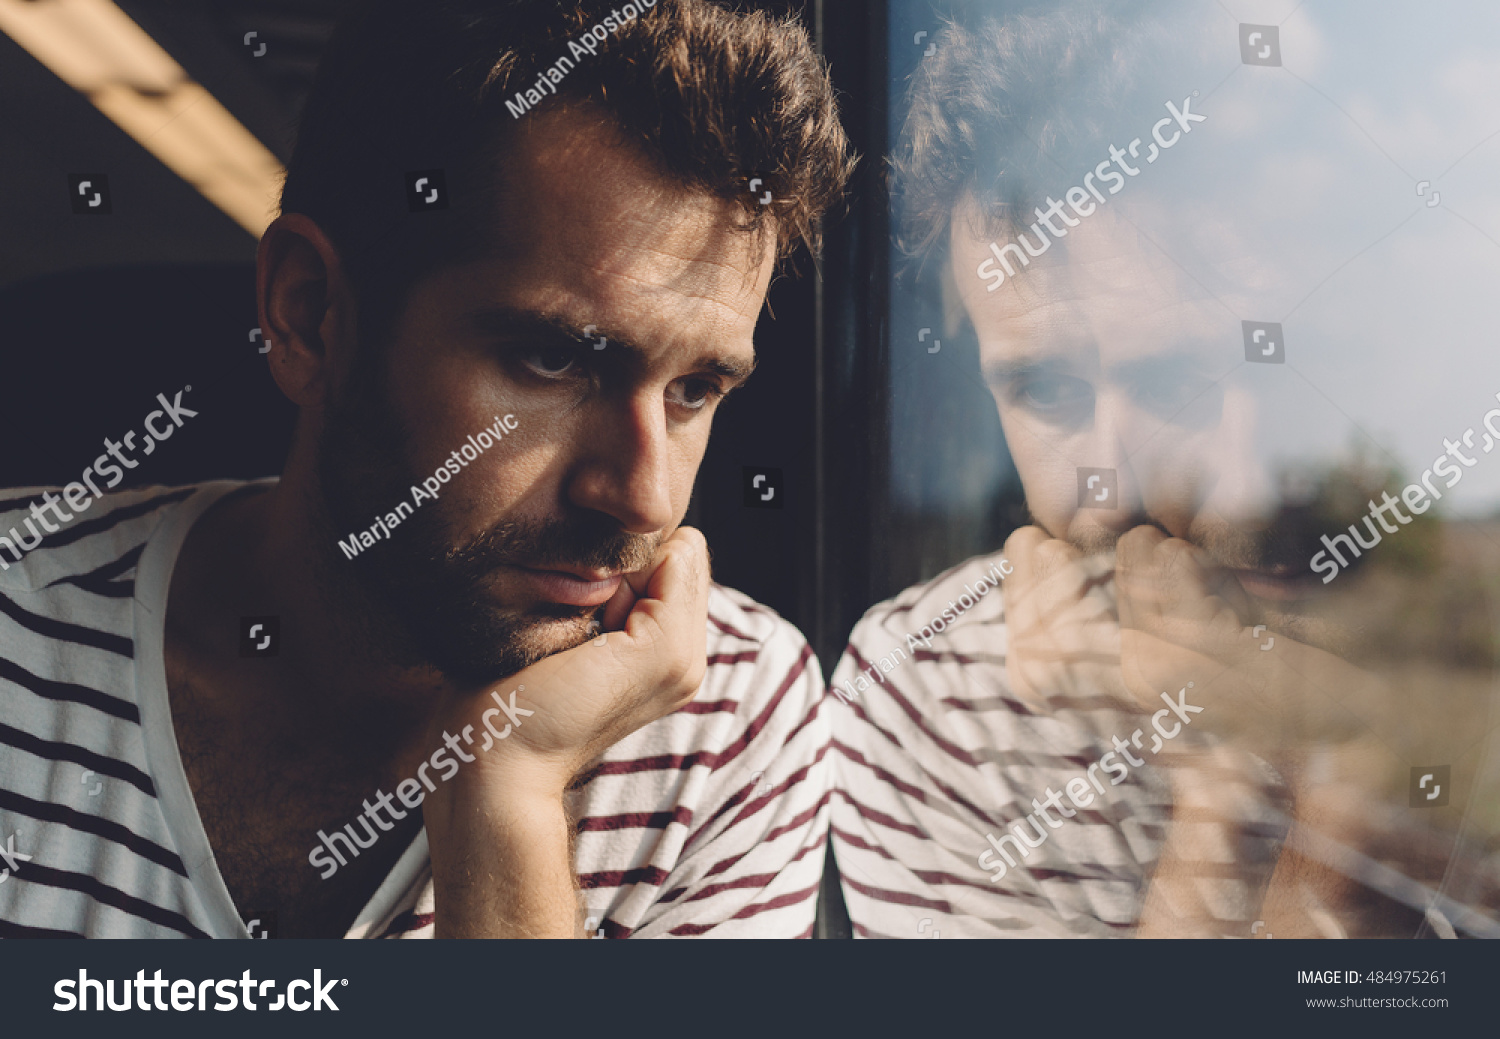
{"type": "Point", "coordinates": [1185, 399]}
{"type": "Point", "coordinates": [549, 360]}
{"type": "Point", "coordinates": [693, 393]}
{"type": "Point", "coordinates": [1052, 393]}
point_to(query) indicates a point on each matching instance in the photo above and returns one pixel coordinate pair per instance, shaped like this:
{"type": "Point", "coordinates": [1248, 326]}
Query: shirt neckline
{"type": "Point", "coordinates": [174, 793]}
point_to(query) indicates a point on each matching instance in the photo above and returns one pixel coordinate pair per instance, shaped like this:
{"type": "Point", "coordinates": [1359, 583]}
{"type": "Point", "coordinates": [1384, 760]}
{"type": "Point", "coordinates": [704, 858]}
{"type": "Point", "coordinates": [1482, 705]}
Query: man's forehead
{"type": "Point", "coordinates": [578, 201]}
{"type": "Point", "coordinates": [1105, 289]}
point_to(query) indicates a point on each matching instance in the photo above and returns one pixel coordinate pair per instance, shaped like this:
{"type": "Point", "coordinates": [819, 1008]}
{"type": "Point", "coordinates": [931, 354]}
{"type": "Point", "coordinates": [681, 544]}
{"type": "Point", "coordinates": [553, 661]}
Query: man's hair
{"type": "Point", "coordinates": [1011, 105]}
{"type": "Point", "coordinates": [715, 97]}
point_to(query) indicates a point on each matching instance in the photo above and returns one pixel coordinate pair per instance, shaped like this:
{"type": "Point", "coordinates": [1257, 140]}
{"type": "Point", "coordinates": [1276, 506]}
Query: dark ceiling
{"type": "Point", "coordinates": [48, 130]}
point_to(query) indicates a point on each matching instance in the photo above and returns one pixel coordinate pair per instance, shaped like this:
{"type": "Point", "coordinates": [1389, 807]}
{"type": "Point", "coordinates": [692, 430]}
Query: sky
{"type": "Point", "coordinates": [1297, 201]}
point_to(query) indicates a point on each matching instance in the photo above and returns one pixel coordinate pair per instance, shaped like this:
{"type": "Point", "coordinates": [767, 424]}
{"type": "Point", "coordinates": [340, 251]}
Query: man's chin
{"type": "Point", "coordinates": [556, 635]}
{"type": "Point", "coordinates": [491, 646]}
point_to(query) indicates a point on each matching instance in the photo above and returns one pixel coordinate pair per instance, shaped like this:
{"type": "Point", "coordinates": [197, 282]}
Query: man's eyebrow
{"type": "Point", "coordinates": [1174, 363]}
{"type": "Point", "coordinates": [1005, 370]}
{"type": "Point", "coordinates": [735, 371]}
{"type": "Point", "coordinates": [512, 321]}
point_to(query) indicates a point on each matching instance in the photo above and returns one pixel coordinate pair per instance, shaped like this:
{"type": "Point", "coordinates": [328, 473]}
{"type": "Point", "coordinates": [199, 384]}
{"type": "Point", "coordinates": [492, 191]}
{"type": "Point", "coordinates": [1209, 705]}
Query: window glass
{"type": "Point", "coordinates": [1193, 495]}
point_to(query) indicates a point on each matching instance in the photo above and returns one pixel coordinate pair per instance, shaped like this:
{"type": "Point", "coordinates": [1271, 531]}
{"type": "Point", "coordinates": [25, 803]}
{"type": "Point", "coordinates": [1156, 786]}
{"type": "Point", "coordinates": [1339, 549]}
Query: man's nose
{"type": "Point", "coordinates": [627, 469]}
{"type": "Point", "coordinates": [1113, 501]}
{"type": "Point", "coordinates": [1241, 486]}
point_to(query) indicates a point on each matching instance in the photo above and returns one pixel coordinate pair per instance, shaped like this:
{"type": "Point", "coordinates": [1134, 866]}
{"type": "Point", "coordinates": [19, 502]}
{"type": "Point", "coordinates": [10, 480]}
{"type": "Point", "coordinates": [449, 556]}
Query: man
{"type": "Point", "coordinates": [488, 668]}
{"type": "Point", "coordinates": [1136, 718]}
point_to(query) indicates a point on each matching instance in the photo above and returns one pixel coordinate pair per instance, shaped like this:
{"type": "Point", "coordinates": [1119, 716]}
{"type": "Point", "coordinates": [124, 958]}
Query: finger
{"type": "Point", "coordinates": [1036, 556]}
{"type": "Point", "coordinates": [1022, 548]}
{"type": "Point", "coordinates": [1135, 570]}
{"type": "Point", "coordinates": [619, 605]}
{"type": "Point", "coordinates": [1064, 587]}
{"type": "Point", "coordinates": [1164, 587]}
{"type": "Point", "coordinates": [676, 594]}
{"type": "Point", "coordinates": [677, 605]}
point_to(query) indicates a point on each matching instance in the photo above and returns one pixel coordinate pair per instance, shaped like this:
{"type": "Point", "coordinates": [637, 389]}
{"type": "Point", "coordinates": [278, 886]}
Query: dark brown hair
{"type": "Point", "coordinates": [716, 97]}
{"type": "Point", "coordinates": [1014, 103]}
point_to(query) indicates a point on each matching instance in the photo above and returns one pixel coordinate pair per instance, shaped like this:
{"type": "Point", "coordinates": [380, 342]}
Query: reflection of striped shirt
{"type": "Point", "coordinates": [709, 821]}
{"type": "Point", "coordinates": [942, 753]}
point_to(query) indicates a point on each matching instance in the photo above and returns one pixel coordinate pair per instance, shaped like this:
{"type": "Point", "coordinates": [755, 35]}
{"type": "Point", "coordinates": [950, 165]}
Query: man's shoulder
{"type": "Point", "coordinates": [960, 604]}
{"type": "Point", "coordinates": [95, 546]}
{"type": "Point", "coordinates": [735, 617]}
{"type": "Point", "coordinates": [754, 646]}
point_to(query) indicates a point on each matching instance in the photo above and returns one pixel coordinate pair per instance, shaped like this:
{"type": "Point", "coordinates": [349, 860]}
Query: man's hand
{"type": "Point", "coordinates": [499, 836]}
{"type": "Point", "coordinates": [1275, 705]}
{"type": "Point", "coordinates": [1064, 637]}
{"type": "Point", "coordinates": [1176, 629]}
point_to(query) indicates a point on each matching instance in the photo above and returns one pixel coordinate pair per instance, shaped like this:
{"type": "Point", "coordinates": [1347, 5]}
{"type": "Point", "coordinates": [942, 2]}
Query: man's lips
{"type": "Point", "coordinates": [573, 587]}
{"type": "Point", "coordinates": [1279, 583]}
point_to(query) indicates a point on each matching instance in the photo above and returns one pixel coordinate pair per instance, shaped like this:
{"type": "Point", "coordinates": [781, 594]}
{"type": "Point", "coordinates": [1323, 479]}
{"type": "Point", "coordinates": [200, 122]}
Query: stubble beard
{"type": "Point", "coordinates": [420, 598]}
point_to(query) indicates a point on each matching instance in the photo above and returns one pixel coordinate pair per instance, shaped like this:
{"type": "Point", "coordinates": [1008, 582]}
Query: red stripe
{"type": "Point", "coordinates": [755, 607]}
{"type": "Point", "coordinates": [952, 749]}
{"type": "Point", "coordinates": [657, 763]}
{"type": "Point", "coordinates": [1034, 900]}
{"type": "Point", "coordinates": [653, 875]}
{"type": "Point", "coordinates": [755, 880]}
{"type": "Point", "coordinates": [733, 751]}
{"type": "Point", "coordinates": [725, 864]}
{"type": "Point", "coordinates": [636, 820]}
{"type": "Point", "coordinates": [726, 629]}
{"type": "Point", "coordinates": [914, 793]}
{"type": "Point", "coordinates": [884, 820]}
{"type": "Point", "coordinates": [938, 656]}
{"type": "Point", "coordinates": [408, 922]}
{"type": "Point", "coordinates": [682, 762]}
{"type": "Point", "coordinates": [809, 717]}
{"type": "Point", "coordinates": [709, 707]}
{"type": "Point", "coordinates": [744, 656]}
{"type": "Point", "coordinates": [854, 840]}
{"type": "Point", "coordinates": [752, 807]}
{"type": "Point", "coordinates": [779, 902]}
{"type": "Point", "coordinates": [901, 898]}
{"type": "Point", "coordinates": [801, 817]}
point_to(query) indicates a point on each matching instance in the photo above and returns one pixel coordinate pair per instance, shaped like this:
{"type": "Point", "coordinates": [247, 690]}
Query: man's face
{"type": "Point", "coordinates": [525, 544]}
{"type": "Point", "coordinates": [1106, 355]}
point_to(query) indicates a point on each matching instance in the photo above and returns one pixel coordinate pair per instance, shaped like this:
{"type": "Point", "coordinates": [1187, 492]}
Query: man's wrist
{"type": "Point", "coordinates": [504, 869]}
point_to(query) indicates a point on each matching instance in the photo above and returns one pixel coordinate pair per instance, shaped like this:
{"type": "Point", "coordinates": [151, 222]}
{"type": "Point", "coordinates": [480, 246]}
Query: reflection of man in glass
{"type": "Point", "coordinates": [1155, 730]}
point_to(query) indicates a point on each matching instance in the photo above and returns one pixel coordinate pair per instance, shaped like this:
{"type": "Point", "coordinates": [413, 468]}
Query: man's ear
{"type": "Point", "coordinates": [307, 309]}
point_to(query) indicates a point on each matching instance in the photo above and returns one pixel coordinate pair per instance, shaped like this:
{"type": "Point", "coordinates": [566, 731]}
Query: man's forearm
{"type": "Point", "coordinates": [507, 874]}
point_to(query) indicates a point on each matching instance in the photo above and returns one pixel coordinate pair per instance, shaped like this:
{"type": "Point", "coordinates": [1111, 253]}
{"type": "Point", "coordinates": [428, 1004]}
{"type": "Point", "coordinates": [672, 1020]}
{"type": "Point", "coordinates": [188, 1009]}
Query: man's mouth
{"type": "Point", "coordinates": [1277, 583]}
{"type": "Point", "coordinates": [573, 587]}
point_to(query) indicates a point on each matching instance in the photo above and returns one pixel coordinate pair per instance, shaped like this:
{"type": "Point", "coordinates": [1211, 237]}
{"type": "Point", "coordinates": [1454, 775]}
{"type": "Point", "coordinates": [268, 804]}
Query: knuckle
{"type": "Point", "coordinates": [1023, 541]}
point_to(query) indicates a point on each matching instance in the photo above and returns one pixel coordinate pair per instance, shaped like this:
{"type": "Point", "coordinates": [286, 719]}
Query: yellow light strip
{"type": "Point", "coordinates": [96, 48]}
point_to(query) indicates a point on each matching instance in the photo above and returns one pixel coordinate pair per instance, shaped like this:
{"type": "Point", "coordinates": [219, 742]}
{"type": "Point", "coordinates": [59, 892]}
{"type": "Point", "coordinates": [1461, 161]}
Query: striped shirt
{"type": "Point", "coordinates": [710, 821]}
{"type": "Point", "coordinates": [936, 754]}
